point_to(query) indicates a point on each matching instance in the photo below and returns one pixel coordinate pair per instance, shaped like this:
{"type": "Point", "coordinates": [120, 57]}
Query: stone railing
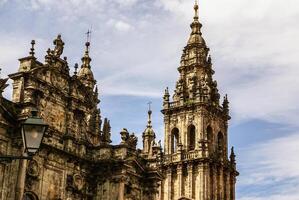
{"type": "Point", "coordinates": [174, 104]}
{"type": "Point", "coordinates": [192, 155]}
{"type": "Point", "coordinates": [183, 156]}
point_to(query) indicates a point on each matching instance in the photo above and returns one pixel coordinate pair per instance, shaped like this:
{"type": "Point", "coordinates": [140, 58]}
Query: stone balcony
{"type": "Point", "coordinates": [184, 156]}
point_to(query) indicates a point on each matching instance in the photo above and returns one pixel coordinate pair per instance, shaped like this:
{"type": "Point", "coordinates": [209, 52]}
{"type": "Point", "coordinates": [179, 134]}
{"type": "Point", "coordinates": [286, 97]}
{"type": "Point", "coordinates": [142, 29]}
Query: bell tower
{"type": "Point", "coordinates": [196, 162]}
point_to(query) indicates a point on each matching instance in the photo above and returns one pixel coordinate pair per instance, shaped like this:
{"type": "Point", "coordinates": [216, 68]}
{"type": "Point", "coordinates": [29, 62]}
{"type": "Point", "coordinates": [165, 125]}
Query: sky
{"type": "Point", "coordinates": [136, 47]}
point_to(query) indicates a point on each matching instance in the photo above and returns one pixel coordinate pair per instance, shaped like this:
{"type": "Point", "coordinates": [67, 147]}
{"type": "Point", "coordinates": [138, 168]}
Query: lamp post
{"type": "Point", "coordinates": [32, 130]}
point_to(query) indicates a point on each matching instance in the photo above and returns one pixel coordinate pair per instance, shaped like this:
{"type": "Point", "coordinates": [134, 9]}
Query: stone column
{"type": "Point", "coordinates": [214, 192]}
{"type": "Point", "coordinates": [109, 189]}
{"type": "Point", "coordinates": [218, 183]}
{"type": "Point", "coordinates": [201, 130]}
{"type": "Point", "coordinates": [228, 186]}
{"type": "Point", "coordinates": [226, 197]}
{"type": "Point", "coordinates": [206, 182]}
{"type": "Point", "coordinates": [221, 189]}
{"type": "Point", "coordinates": [160, 195]}
{"type": "Point", "coordinates": [167, 137]}
{"type": "Point", "coordinates": [233, 182]}
{"type": "Point", "coordinates": [190, 180]}
{"type": "Point", "coordinates": [169, 174]}
{"type": "Point", "coordinates": [180, 179]}
{"type": "Point", "coordinates": [121, 191]}
{"type": "Point", "coordinates": [21, 180]}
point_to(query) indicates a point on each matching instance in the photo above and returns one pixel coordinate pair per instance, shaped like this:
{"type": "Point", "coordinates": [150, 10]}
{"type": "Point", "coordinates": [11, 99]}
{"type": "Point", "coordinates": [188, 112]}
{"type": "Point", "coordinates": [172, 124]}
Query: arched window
{"type": "Point", "coordinates": [210, 137]}
{"type": "Point", "coordinates": [174, 139]}
{"type": "Point", "coordinates": [220, 143]}
{"type": "Point", "coordinates": [191, 137]}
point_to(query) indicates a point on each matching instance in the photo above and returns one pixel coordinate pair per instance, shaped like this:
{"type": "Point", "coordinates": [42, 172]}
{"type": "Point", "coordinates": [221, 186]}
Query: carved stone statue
{"type": "Point", "coordinates": [59, 44]}
{"type": "Point", "coordinates": [124, 135]}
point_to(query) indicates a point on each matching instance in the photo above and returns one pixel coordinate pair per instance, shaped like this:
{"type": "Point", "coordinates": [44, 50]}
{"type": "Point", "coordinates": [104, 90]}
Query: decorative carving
{"type": "Point", "coordinates": [174, 121]}
{"type": "Point", "coordinates": [190, 119]}
{"type": "Point", "coordinates": [78, 181]}
{"type": "Point", "coordinates": [132, 141]}
{"type": "Point", "coordinates": [93, 123]}
{"type": "Point", "coordinates": [106, 131]}
{"type": "Point", "coordinates": [33, 168]}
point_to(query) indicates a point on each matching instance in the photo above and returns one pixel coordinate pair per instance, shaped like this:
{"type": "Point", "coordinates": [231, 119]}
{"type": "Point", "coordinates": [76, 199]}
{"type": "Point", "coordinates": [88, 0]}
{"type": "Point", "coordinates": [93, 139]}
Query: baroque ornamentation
{"type": "Point", "coordinates": [33, 168]}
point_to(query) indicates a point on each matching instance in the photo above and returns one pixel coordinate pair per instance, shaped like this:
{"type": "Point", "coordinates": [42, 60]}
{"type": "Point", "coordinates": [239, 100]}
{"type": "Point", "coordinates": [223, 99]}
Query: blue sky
{"type": "Point", "coordinates": [136, 47]}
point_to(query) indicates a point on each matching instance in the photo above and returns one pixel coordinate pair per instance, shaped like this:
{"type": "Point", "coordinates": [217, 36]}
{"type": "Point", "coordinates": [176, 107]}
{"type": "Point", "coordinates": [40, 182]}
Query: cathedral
{"type": "Point", "coordinates": [77, 160]}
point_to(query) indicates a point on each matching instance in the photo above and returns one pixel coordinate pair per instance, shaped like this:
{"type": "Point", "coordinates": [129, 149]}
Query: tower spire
{"type": "Point", "coordinates": [149, 133]}
{"type": "Point", "coordinates": [85, 74]}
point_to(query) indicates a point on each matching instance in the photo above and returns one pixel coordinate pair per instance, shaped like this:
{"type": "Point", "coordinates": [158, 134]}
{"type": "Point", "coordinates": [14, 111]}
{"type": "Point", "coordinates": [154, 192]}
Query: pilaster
{"type": "Point", "coordinates": [190, 180]}
{"type": "Point", "coordinates": [180, 179]}
{"type": "Point", "coordinates": [169, 178]}
{"type": "Point", "coordinates": [221, 186]}
{"type": "Point", "coordinates": [201, 189]}
{"type": "Point", "coordinates": [215, 189]}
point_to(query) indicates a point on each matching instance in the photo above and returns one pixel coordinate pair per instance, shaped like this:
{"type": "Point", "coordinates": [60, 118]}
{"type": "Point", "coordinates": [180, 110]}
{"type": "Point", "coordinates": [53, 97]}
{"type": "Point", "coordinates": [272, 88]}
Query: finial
{"type": "Point", "coordinates": [76, 67]}
{"type": "Point", "coordinates": [49, 51]}
{"type": "Point", "coordinates": [209, 59]}
{"type": "Point", "coordinates": [232, 155]}
{"type": "Point", "coordinates": [48, 58]}
{"type": "Point", "coordinates": [88, 39]}
{"type": "Point", "coordinates": [196, 10]}
{"type": "Point", "coordinates": [166, 91]}
{"type": "Point", "coordinates": [166, 96]}
{"type": "Point", "coordinates": [149, 121]}
{"type": "Point", "coordinates": [225, 102]}
{"type": "Point", "coordinates": [87, 45]}
{"type": "Point", "coordinates": [86, 59]}
{"type": "Point", "coordinates": [32, 48]}
{"type": "Point", "coordinates": [96, 89]}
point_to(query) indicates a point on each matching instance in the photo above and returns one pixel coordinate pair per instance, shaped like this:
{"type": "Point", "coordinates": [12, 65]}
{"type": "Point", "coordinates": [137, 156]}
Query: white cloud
{"type": "Point", "coordinates": [120, 25]}
{"type": "Point", "coordinates": [271, 164]}
{"type": "Point", "coordinates": [2, 2]}
{"type": "Point", "coordinates": [126, 2]}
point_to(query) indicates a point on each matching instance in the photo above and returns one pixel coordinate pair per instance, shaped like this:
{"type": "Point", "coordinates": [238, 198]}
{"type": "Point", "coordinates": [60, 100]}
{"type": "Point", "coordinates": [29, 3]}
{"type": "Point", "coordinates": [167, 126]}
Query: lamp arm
{"type": "Point", "coordinates": [11, 158]}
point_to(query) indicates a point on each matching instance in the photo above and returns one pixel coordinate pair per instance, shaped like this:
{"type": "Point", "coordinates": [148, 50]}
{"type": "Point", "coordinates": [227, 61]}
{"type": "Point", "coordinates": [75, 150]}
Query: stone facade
{"type": "Point", "coordinates": [77, 160]}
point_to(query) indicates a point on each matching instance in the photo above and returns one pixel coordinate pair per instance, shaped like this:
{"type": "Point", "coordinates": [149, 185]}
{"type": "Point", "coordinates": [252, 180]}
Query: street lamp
{"type": "Point", "coordinates": [32, 130]}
